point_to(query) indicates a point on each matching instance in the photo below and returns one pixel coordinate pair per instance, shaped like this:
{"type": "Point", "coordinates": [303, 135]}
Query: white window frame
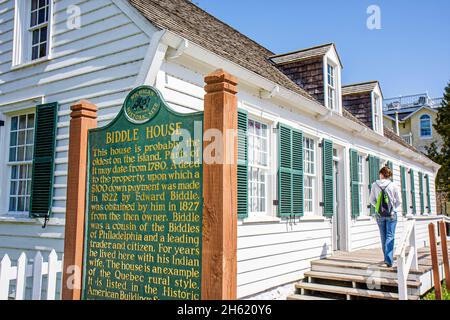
{"type": "Point", "coordinates": [362, 184]}
{"type": "Point", "coordinates": [5, 164]}
{"type": "Point", "coordinates": [377, 118]}
{"type": "Point", "coordinates": [430, 119]}
{"type": "Point", "coordinates": [267, 169]}
{"type": "Point", "coordinates": [22, 44]}
{"type": "Point", "coordinates": [313, 177]}
{"type": "Point", "coordinates": [333, 88]}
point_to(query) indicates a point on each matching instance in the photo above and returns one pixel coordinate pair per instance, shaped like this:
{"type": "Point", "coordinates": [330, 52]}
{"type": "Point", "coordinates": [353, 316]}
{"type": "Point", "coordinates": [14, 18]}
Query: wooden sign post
{"type": "Point", "coordinates": [444, 246]}
{"type": "Point", "coordinates": [219, 280]}
{"type": "Point", "coordinates": [83, 118]}
{"type": "Point", "coordinates": [435, 261]}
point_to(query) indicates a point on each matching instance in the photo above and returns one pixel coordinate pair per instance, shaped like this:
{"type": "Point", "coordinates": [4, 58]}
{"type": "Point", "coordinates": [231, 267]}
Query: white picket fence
{"type": "Point", "coordinates": [37, 270]}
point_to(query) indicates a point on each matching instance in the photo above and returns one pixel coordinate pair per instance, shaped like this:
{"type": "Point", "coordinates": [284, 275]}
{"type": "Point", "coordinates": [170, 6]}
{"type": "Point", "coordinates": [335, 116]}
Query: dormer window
{"type": "Point", "coordinates": [377, 114]}
{"type": "Point", "coordinates": [331, 87]}
{"type": "Point", "coordinates": [32, 31]}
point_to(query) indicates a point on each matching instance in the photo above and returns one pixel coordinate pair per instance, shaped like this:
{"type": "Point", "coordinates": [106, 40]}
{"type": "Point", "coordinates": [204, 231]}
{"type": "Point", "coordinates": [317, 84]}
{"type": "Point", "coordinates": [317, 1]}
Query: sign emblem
{"type": "Point", "coordinates": [142, 105]}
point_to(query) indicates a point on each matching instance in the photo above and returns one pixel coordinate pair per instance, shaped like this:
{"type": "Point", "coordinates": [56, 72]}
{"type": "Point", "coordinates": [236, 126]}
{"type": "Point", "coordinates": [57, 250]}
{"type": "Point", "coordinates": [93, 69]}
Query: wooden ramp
{"type": "Point", "coordinates": [360, 275]}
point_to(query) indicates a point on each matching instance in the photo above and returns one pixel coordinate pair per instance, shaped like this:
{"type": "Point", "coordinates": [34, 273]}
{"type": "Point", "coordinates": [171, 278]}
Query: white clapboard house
{"type": "Point", "coordinates": [50, 58]}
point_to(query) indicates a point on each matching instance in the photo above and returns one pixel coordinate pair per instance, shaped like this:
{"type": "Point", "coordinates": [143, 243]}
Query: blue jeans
{"type": "Point", "coordinates": [387, 231]}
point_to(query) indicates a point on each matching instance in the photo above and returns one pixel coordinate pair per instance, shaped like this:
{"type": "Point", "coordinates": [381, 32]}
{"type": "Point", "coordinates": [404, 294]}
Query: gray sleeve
{"type": "Point", "coordinates": [373, 195]}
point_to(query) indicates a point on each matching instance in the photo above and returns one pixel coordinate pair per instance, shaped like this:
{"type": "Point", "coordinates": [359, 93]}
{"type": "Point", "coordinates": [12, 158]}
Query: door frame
{"type": "Point", "coordinates": [340, 220]}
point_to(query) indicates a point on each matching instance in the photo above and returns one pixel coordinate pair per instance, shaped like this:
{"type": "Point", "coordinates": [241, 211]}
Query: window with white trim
{"type": "Point", "coordinates": [310, 172]}
{"type": "Point", "coordinates": [39, 28]}
{"type": "Point", "coordinates": [258, 166]}
{"type": "Point", "coordinates": [425, 126]}
{"type": "Point", "coordinates": [362, 185]}
{"type": "Point", "coordinates": [20, 159]}
{"type": "Point", "coordinates": [32, 30]}
{"type": "Point", "coordinates": [331, 86]}
{"type": "Point", "coordinates": [376, 114]}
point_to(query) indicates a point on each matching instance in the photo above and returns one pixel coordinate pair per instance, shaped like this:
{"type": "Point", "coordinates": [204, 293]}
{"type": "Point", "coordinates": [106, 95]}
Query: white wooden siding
{"type": "Point", "coordinates": [98, 62]}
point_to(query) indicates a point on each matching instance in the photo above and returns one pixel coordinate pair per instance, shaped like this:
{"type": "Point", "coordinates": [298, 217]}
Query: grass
{"type": "Point", "coordinates": [432, 294]}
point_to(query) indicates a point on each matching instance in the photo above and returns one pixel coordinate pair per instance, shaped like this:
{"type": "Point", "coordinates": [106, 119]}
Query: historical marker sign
{"type": "Point", "coordinates": [144, 210]}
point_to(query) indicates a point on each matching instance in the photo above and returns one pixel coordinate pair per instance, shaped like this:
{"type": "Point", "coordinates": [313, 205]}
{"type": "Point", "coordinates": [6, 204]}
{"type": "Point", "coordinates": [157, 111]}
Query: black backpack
{"type": "Point", "coordinates": [384, 207]}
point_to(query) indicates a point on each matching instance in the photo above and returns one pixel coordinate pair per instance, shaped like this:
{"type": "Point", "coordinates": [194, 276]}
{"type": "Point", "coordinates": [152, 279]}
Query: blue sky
{"type": "Point", "coordinates": [410, 54]}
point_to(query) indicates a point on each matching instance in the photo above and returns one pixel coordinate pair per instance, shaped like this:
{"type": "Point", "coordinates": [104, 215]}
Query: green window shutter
{"type": "Point", "coordinates": [242, 165]}
{"type": "Point", "coordinates": [290, 172]}
{"type": "Point", "coordinates": [427, 177]}
{"type": "Point", "coordinates": [43, 160]}
{"type": "Point", "coordinates": [413, 192]}
{"type": "Point", "coordinates": [404, 195]}
{"type": "Point", "coordinates": [374, 169]}
{"type": "Point", "coordinates": [354, 180]}
{"type": "Point", "coordinates": [297, 173]}
{"type": "Point", "coordinates": [284, 171]}
{"type": "Point", "coordinates": [328, 178]}
{"type": "Point", "coordinates": [422, 200]}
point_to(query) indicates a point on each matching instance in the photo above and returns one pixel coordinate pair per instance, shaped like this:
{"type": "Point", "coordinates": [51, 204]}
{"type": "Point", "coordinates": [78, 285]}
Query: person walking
{"type": "Point", "coordinates": [385, 197]}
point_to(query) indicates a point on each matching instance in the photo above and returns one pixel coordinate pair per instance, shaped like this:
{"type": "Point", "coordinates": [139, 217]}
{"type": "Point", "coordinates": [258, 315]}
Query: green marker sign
{"type": "Point", "coordinates": [144, 211]}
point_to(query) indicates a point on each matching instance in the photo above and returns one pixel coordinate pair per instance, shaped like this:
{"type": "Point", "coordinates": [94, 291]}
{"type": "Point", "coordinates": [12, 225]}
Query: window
{"type": "Point", "coordinates": [425, 126]}
{"type": "Point", "coordinates": [361, 186]}
{"type": "Point", "coordinates": [376, 114]}
{"type": "Point", "coordinates": [32, 30]}
{"type": "Point", "coordinates": [331, 87]}
{"type": "Point", "coordinates": [258, 166]}
{"type": "Point", "coordinates": [39, 28]}
{"type": "Point", "coordinates": [309, 152]}
{"type": "Point", "coordinates": [20, 162]}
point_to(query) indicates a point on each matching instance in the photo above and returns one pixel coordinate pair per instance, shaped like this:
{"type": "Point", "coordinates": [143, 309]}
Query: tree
{"type": "Point", "coordinates": [442, 155]}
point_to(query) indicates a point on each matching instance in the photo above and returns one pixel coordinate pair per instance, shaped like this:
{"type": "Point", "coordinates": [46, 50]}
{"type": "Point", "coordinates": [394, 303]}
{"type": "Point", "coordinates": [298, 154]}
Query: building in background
{"type": "Point", "coordinates": [412, 117]}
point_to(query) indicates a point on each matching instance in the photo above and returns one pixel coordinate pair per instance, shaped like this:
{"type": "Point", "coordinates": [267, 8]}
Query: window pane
{"type": "Point", "coordinates": [42, 3]}
{"type": "Point", "coordinates": [13, 139]}
{"type": "Point", "coordinates": [20, 204]}
{"type": "Point", "coordinates": [12, 154]}
{"type": "Point", "coordinates": [43, 50]}
{"type": "Point", "coordinates": [35, 37]}
{"type": "Point", "coordinates": [14, 172]}
{"type": "Point", "coordinates": [34, 4]}
{"type": "Point", "coordinates": [31, 120]}
{"type": "Point", "coordinates": [21, 140]}
{"type": "Point", "coordinates": [43, 37]}
{"type": "Point", "coordinates": [23, 122]}
{"type": "Point", "coordinates": [30, 137]}
{"type": "Point", "coordinates": [41, 17]}
{"type": "Point", "coordinates": [14, 121]}
{"type": "Point", "coordinates": [13, 188]}
{"type": "Point", "coordinates": [29, 153]}
{"type": "Point", "coordinates": [20, 154]}
{"type": "Point", "coordinates": [35, 53]}
{"type": "Point", "coordinates": [33, 19]}
{"type": "Point", "coordinates": [12, 204]}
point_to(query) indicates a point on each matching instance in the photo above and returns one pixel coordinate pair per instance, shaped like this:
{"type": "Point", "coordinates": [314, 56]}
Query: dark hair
{"type": "Point", "coordinates": [386, 172]}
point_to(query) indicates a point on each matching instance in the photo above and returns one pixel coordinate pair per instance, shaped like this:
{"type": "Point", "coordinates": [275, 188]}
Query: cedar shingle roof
{"type": "Point", "coordinates": [189, 21]}
{"type": "Point", "coordinates": [302, 54]}
{"type": "Point", "coordinates": [359, 87]}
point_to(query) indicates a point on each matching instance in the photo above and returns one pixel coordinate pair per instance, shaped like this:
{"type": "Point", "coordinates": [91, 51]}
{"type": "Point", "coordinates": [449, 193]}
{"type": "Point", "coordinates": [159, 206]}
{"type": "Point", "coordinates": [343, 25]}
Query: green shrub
{"type": "Point", "coordinates": [432, 294]}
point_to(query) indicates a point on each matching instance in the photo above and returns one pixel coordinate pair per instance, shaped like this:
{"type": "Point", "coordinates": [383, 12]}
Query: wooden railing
{"type": "Point", "coordinates": [23, 270]}
{"type": "Point", "coordinates": [406, 262]}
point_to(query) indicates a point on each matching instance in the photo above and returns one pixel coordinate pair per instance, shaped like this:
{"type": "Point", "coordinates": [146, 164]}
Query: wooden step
{"type": "Point", "coordinates": [357, 278]}
{"type": "Point", "coordinates": [350, 291]}
{"type": "Point", "coordinates": [361, 265]}
{"type": "Point", "coordinates": [305, 297]}
{"type": "Point", "coordinates": [361, 269]}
